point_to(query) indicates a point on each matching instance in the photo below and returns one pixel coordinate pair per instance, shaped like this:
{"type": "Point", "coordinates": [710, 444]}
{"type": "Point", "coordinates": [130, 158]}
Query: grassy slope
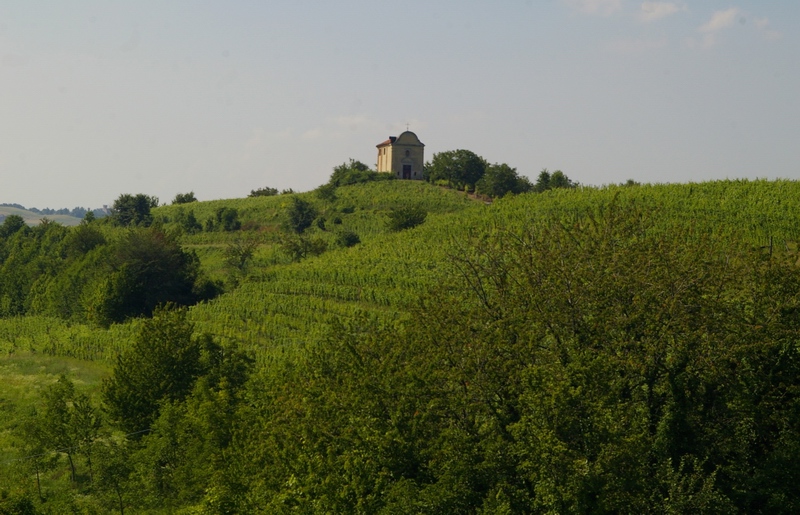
{"type": "Point", "coordinates": [32, 218]}
{"type": "Point", "coordinates": [284, 305]}
{"type": "Point", "coordinates": [290, 304]}
{"type": "Point", "coordinates": [24, 375]}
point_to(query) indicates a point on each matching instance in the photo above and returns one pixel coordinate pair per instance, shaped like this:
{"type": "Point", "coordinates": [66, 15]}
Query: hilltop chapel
{"type": "Point", "coordinates": [402, 156]}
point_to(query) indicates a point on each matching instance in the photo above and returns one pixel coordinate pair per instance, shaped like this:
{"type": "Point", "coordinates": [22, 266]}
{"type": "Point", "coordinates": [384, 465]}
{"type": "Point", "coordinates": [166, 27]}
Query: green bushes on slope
{"type": "Point", "coordinates": [78, 273]}
{"type": "Point", "coordinates": [585, 367]}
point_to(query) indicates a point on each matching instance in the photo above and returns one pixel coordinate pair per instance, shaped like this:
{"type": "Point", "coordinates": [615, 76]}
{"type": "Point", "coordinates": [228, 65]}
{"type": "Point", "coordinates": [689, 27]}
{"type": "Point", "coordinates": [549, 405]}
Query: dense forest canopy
{"type": "Point", "coordinates": [393, 347]}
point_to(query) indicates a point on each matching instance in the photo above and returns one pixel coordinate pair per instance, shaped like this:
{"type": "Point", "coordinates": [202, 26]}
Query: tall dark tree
{"type": "Point", "coordinates": [162, 365]}
{"type": "Point", "coordinates": [130, 209]}
{"type": "Point", "coordinates": [148, 268]}
{"type": "Point", "coordinates": [299, 215]}
{"type": "Point", "coordinates": [11, 224]}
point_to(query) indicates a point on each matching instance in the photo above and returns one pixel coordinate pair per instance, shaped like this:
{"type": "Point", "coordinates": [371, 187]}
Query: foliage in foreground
{"type": "Point", "coordinates": [580, 367]}
{"type": "Point", "coordinates": [79, 273]}
{"type": "Point", "coordinates": [617, 362]}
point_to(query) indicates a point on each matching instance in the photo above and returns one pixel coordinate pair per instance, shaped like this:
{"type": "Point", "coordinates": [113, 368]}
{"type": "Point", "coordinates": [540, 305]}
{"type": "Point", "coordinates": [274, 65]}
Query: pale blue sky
{"type": "Point", "coordinates": [102, 98]}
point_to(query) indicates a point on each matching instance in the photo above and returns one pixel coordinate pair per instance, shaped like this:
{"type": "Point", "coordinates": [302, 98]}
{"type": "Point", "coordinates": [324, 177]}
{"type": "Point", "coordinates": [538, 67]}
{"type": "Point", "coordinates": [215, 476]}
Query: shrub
{"type": "Point", "coordinates": [263, 192]}
{"type": "Point", "coordinates": [187, 221]}
{"type": "Point", "coordinates": [184, 198]}
{"type": "Point", "coordinates": [406, 217]}
{"type": "Point", "coordinates": [354, 172]}
{"type": "Point", "coordinates": [326, 192]}
{"type": "Point", "coordinates": [224, 219]}
{"type": "Point", "coordinates": [347, 239]}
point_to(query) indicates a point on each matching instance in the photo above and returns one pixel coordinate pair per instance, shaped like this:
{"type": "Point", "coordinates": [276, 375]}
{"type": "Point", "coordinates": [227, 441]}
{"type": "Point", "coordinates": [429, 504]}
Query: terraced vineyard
{"type": "Point", "coordinates": [282, 305]}
{"type": "Point", "coordinates": [287, 305]}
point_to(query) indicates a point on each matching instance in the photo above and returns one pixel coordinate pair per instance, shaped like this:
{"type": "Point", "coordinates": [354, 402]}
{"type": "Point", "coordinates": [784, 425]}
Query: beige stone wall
{"type": "Point", "coordinates": [385, 159]}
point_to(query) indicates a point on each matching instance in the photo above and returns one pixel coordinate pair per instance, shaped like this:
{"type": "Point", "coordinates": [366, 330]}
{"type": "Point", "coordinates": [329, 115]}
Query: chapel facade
{"type": "Point", "coordinates": [402, 156]}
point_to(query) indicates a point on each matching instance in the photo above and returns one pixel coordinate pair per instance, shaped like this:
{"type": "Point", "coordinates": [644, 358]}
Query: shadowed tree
{"type": "Point", "coordinates": [299, 215]}
{"type": "Point", "coordinates": [184, 198]}
{"type": "Point", "coordinates": [133, 209]}
{"type": "Point", "coordinates": [162, 365]}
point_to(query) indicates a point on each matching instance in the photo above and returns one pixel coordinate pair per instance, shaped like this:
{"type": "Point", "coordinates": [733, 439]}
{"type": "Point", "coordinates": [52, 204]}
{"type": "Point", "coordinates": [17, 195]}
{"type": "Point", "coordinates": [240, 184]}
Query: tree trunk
{"type": "Point", "coordinates": [71, 466]}
{"type": "Point", "coordinates": [38, 483]}
{"type": "Point", "coordinates": [121, 504]}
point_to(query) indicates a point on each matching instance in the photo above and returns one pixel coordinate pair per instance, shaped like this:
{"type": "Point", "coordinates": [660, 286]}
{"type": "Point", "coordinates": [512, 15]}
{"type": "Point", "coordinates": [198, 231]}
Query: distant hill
{"type": "Point", "coordinates": [32, 218]}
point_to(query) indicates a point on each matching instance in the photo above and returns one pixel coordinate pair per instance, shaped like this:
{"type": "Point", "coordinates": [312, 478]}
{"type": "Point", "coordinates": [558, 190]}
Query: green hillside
{"type": "Point", "coordinates": [32, 218]}
{"type": "Point", "coordinates": [288, 303]}
{"type": "Point", "coordinates": [586, 349]}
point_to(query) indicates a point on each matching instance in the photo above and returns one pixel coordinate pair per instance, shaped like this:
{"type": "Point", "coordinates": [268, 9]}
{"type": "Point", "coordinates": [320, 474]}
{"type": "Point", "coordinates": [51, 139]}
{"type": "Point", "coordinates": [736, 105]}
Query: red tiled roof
{"type": "Point", "coordinates": [389, 141]}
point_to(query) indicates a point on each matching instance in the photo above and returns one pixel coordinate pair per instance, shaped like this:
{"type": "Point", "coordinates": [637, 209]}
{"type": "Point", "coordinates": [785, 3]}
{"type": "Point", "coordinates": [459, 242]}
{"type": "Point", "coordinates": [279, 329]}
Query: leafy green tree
{"type": "Point", "coordinates": [147, 268]}
{"type": "Point", "coordinates": [299, 247]}
{"type": "Point", "coordinates": [188, 221]}
{"type": "Point", "coordinates": [560, 180]}
{"type": "Point", "coordinates": [592, 363]}
{"type": "Point", "coordinates": [36, 447]}
{"type": "Point", "coordinates": [28, 257]}
{"type": "Point", "coordinates": [457, 167]}
{"type": "Point", "coordinates": [130, 210]}
{"type": "Point", "coordinates": [299, 215]}
{"type": "Point", "coordinates": [547, 181]}
{"type": "Point", "coordinates": [16, 504]}
{"type": "Point", "coordinates": [11, 225]}
{"type": "Point", "coordinates": [542, 181]}
{"type": "Point", "coordinates": [115, 484]}
{"type": "Point", "coordinates": [238, 256]}
{"type": "Point", "coordinates": [184, 198]}
{"type": "Point", "coordinates": [500, 180]}
{"type": "Point", "coordinates": [263, 192]}
{"type": "Point", "coordinates": [405, 217]}
{"type": "Point", "coordinates": [224, 219]}
{"type": "Point", "coordinates": [68, 424]}
{"type": "Point", "coordinates": [162, 365]}
{"type": "Point", "coordinates": [326, 192]}
{"type": "Point", "coordinates": [82, 239]}
{"type": "Point", "coordinates": [180, 457]}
